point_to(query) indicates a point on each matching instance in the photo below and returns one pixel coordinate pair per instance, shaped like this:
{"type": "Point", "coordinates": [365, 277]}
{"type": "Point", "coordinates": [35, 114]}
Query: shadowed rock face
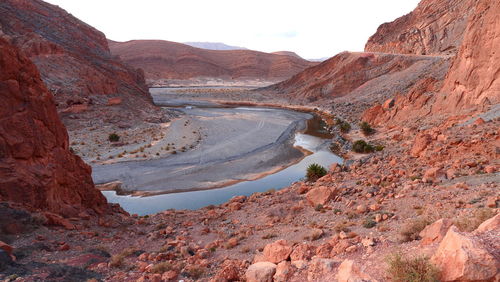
{"type": "Point", "coordinates": [165, 59]}
{"type": "Point", "coordinates": [36, 167]}
{"type": "Point", "coordinates": [474, 77]}
{"type": "Point", "coordinates": [75, 63]}
{"type": "Point", "coordinates": [434, 27]}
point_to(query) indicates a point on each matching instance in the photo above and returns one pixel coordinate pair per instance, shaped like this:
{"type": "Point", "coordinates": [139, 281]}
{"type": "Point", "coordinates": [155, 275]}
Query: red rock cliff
{"type": "Point", "coordinates": [36, 167]}
{"type": "Point", "coordinates": [434, 27]}
{"type": "Point", "coordinates": [474, 77]}
{"type": "Point", "coordinates": [75, 63]}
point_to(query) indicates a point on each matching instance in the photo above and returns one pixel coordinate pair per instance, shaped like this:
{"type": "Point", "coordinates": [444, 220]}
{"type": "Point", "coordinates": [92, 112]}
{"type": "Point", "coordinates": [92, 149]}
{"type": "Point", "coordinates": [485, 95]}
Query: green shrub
{"type": "Point", "coordinates": [418, 269]}
{"type": "Point", "coordinates": [113, 137]}
{"type": "Point", "coordinates": [314, 172]}
{"type": "Point", "coordinates": [344, 126]}
{"type": "Point", "coordinates": [378, 148]}
{"type": "Point", "coordinates": [366, 128]}
{"type": "Point", "coordinates": [360, 146]}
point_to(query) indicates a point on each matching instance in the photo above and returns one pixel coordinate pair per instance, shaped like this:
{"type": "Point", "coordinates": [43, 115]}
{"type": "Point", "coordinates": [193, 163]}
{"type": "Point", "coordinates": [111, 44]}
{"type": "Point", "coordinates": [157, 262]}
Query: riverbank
{"type": "Point", "coordinates": [235, 144]}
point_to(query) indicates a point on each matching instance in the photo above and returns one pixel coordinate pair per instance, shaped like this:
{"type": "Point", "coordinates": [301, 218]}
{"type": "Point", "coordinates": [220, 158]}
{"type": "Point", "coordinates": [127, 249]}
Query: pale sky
{"type": "Point", "coordinates": [311, 28]}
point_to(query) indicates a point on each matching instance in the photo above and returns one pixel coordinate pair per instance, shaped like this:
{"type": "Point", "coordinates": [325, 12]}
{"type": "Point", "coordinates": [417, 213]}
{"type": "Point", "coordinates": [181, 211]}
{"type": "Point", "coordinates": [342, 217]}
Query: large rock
{"type": "Point", "coordinates": [435, 232]}
{"type": "Point", "coordinates": [320, 195]}
{"type": "Point", "coordinates": [261, 272]}
{"type": "Point", "coordinates": [321, 269]}
{"type": "Point", "coordinates": [277, 252]}
{"type": "Point", "coordinates": [37, 168]}
{"type": "Point", "coordinates": [284, 271]}
{"type": "Point", "coordinates": [462, 257]}
{"type": "Point", "coordinates": [349, 271]}
{"type": "Point", "coordinates": [420, 144]}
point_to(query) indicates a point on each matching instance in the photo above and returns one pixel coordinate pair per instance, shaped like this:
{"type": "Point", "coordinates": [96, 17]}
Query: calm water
{"type": "Point", "coordinates": [199, 199]}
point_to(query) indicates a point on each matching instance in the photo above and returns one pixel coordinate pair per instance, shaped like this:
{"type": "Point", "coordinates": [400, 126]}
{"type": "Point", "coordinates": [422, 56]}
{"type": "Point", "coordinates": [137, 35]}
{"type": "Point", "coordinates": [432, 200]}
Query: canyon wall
{"type": "Point", "coordinates": [471, 85]}
{"type": "Point", "coordinates": [75, 63]}
{"type": "Point", "coordinates": [37, 168]}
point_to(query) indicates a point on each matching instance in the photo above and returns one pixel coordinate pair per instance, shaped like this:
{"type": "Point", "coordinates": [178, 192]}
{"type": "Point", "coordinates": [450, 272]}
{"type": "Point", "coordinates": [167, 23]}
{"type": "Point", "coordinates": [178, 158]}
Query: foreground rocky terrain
{"type": "Point", "coordinates": [423, 208]}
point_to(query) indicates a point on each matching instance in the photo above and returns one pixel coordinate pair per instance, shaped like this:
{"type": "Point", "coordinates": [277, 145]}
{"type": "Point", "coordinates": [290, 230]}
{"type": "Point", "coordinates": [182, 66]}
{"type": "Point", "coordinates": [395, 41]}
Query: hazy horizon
{"type": "Point", "coordinates": [313, 30]}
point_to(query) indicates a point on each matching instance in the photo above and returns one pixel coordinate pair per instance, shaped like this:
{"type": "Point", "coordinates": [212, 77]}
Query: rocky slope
{"type": "Point", "coordinates": [170, 60]}
{"type": "Point", "coordinates": [89, 84]}
{"type": "Point", "coordinates": [37, 169]}
{"type": "Point", "coordinates": [361, 79]}
{"type": "Point", "coordinates": [434, 27]}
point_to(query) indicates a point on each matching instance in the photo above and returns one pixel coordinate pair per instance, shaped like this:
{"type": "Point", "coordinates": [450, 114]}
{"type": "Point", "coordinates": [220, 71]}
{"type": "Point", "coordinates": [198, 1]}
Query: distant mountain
{"type": "Point", "coordinates": [287, 53]}
{"type": "Point", "coordinates": [214, 46]}
{"type": "Point", "coordinates": [170, 60]}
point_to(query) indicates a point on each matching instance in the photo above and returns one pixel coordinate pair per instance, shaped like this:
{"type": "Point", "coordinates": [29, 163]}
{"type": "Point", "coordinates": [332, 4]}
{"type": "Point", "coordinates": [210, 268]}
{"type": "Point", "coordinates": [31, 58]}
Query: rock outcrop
{"type": "Point", "coordinates": [74, 61]}
{"type": "Point", "coordinates": [171, 60]}
{"type": "Point", "coordinates": [37, 168]}
{"type": "Point", "coordinates": [434, 27]}
{"type": "Point", "coordinates": [473, 80]}
{"type": "Point", "coordinates": [461, 257]}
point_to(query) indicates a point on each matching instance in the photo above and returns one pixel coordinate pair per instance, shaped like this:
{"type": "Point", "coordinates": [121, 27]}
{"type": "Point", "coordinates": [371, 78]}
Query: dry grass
{"type": "Point", "coordinates": [411, 230]}
{"type": "Point", "coordinates": [417, 269]}
{"type": "Point", "coordinates": [470, 223]}
{"type": "Point", "coordinates": [118, 259]}
{"type": "Point", "coordinates": [161, 267]}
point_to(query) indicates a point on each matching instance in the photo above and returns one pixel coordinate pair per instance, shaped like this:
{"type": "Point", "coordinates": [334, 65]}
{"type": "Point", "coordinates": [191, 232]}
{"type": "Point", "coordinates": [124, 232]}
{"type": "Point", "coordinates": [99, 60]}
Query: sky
{"type": "Point", "coordinates": [312, 28]}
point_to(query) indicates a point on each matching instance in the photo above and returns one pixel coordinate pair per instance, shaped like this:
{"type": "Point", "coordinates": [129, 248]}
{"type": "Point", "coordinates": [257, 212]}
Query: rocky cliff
{"type": "Point", "coordinates": [471, 84]}
{"type": "Point", "coordinates": [37, 168]}
{"type": "Point", "coordinates": [75, 63]}
{"type": "Point", "coordinates": [434, 27]}
{"type": "Point", "coordinates": [170, 60]}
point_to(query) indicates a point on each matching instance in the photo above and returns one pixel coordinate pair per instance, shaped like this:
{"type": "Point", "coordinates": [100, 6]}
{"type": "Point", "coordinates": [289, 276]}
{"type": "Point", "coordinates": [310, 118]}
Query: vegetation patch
{"type": "Point", "coordinates": [315, 172]}
{"type": "Point", "coordinates": [366, 128]}
{"type": "Point", "coordinates": [411, 230]}
{"type": "Point", "coordinates": [113, 137]}
{"type": "Point", "coordinates": [417, 269]}
{"type": "Point", "coordinates": [360, 146]}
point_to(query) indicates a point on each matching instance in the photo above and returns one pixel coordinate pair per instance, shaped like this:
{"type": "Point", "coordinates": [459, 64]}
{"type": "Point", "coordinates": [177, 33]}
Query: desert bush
{"type": "Point", "coordinates": [314, 172]}
{"type": "Point", "coordinates": [470, 223]}
{"type": "Point", "coordinates": [411, 230]}
{"type": "Point", "coordinates": [366, 128]}
{"type": "Point", "coordinates": [417, 269]}
{"type": "Point", "coordinates": [344, 126]}
{"type": "Point", "coordinates": [360, 146]}
{"type": "Point", "coordinates": [161, 267]}
{"type": "Point", "coordinates": [113, 137]}
{"type": "Point", "coordinates": [378, 148]}
{"type": "Point", "coordinates": [369, 223]}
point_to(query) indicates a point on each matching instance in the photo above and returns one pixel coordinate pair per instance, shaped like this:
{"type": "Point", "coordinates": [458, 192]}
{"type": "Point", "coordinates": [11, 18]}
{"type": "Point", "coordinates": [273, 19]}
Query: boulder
{"type": "Point", "coordinates": [349, 271]}
{"type": "Point", "coordinates": [261, 272]}
{"type": "Point", "coordinates": [277, 252]}
{"type": "Point", "coordinates": [435, 232]}
{"type": "Point", "coordinates": [320, 195]}
{"type": "Point", "coordinates": [321, 269]}
{"type": "Point", "coordinates": [462, 257]}
{"type": "Point", "coordinates": [435, 174]}
{"type": "Point", "coordinates": [284, 272]}
{"type": "Point", "coordinates": [420, 144]}
{"type": "Point", "coordinates": [302, 252]}
{"type": "Point", "coordinates": [228, 271]}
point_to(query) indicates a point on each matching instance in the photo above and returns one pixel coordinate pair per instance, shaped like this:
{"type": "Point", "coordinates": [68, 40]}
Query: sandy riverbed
{"type": "Point", "coordinates": [234, 144]}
